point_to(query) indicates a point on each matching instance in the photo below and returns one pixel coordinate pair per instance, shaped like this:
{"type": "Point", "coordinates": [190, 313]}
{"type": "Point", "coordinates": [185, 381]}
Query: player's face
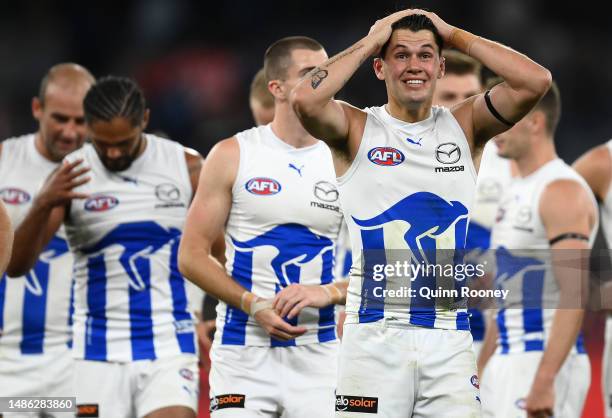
{"type": "Point", "coordinates": [117, 142]}
{"type": "Point", "coordinates": [61, 119]}
{"type": "Point", "coordinates": [411, 66]}
{"type": "Point", "coordinates": [515, 142]}
{"type": "Point", "coordinates": [453, 89]}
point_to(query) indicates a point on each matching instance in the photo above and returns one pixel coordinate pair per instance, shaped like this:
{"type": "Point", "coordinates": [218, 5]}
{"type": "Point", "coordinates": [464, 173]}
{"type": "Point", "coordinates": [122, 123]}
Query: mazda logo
{"type": "Point", "coordinates": [326, 191]}
{"type": "Point", "coordinates": [167, 192]}
{"type": "Point", "coordinates": [448, 153]}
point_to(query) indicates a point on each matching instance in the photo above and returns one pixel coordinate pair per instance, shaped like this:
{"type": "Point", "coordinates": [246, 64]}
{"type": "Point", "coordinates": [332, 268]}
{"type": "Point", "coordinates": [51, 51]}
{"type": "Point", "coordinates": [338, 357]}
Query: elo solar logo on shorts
{"type": "Point", "coordinates": [230, 400]}
{"type": "Point", "coordinates": [14, 196]}
{"type": "Point", "coordinates": [263, 186]}
{"type": "Point", "coordinates": [386, 156]}
{"type": "Point", "coordinates": [361, 404]}
{"type": "Point", "coordinates": [101, 203]}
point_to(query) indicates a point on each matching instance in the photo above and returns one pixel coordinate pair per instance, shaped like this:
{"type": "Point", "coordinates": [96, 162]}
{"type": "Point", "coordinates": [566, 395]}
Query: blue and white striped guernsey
{"type": "Point", "coordinates": [523, 262]}
{"type": "Point", "coordinates": [282, 228]}
{"type": "Point", "coordinates": [34, 309]}
{"type": "Point", "coordinates": [410, 188]}
{"type": "Point", "coordinates": [130, 299]}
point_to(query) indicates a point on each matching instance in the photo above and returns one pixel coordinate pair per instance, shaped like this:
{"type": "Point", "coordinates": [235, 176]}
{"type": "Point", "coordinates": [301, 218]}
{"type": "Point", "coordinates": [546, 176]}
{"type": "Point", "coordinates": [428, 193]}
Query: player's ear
{"type": "Point", "coordinates": [37, 108]}
{"type": "Point", "coordinates": [378, 65]}
{"type": "Point", "coordinates": [276, 89]}
{"type": "Point", "coordinates": [145, 119]}
{"type": "Point", "coordinates": [442, 67]}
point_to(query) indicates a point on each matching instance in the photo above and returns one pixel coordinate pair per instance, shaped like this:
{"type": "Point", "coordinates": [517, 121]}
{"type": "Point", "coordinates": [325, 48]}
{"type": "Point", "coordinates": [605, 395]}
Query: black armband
{"type": "Point", "coordinates": [568, 235]}
{"type": "Point", "coordinates": [494, 111]}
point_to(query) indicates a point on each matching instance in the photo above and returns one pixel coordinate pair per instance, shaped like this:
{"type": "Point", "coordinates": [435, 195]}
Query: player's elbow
{"type": "Point", "coordinates": [185, 258]}
{"type": "Point", "coordinates": [17, 268]}
{"type": "Point", "coordinates": [541, 82]}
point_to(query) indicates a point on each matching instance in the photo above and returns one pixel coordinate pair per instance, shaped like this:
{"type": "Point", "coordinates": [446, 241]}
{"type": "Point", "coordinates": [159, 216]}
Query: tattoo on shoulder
{"type": "Point", "coordinates": [317, 77]}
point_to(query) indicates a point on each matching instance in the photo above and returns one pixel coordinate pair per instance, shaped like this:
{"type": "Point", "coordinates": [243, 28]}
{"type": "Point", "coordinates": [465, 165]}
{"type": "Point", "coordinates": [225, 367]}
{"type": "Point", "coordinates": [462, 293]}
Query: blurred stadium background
{"type": "Point", "coordinates": [195, 61]}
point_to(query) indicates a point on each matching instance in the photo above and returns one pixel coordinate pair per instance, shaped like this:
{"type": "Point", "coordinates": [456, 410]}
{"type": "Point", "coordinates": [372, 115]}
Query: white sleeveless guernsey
{"type": "Point", "coordinates": [282, 228]}
{"type": "Point", "coordinates": [410, 187]}
{"type": "Point", "coordinates": [523, 261]}
{"type": "Point", "coordinates": [34, 309]}
{"type": "Point", "coordinates": [130, 299]}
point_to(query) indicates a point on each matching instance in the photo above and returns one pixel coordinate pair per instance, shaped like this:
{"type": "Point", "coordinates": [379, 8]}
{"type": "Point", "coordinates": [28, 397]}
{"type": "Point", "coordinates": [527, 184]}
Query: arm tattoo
{"type": "Point", "coordinates": [318, 74]}
{"type": "Point", "coordinates": [317, 78]}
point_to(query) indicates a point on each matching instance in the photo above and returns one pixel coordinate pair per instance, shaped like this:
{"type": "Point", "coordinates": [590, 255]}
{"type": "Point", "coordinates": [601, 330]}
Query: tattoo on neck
{"type": "Point", "coordinates": [317, 77]}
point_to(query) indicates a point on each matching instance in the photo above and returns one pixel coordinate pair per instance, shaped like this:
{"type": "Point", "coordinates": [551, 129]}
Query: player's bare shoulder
{"type": "Point", "coordinates": [595, 166]}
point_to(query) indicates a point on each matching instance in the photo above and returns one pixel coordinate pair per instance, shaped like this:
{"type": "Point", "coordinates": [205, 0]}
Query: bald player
{"type": "Point", "coordinates": [261, 100]}
{"type": "Point", "coordinates": [35, 357]}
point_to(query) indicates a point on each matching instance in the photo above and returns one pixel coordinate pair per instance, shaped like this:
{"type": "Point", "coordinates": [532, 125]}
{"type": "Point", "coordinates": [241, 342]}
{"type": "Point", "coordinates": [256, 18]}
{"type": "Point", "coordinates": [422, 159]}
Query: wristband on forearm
{"type": "Point", "coordinates": [252, 304]}
{"type": "Point", "coordinates": [462, 40]}
{"type": "Point", "coordinates": [335, 295]}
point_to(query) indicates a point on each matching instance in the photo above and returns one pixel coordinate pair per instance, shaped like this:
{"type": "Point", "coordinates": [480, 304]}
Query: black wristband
{"type": "Point", "coordinates": [568, 235]}
{"type": "Point", "coordinates": [494, 111]}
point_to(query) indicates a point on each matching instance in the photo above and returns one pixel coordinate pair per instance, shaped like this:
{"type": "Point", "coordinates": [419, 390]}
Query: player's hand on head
{"type": "Point", "coordinates": [58, 188]}
{"type": "Point", "coordinates": [276, 326]}
{"type": "Point", "coordinates": [444, 28]}
{"type": "Point", "coordinates": [290, 301]}
{"type": "Point", "coordinates": [381, 30]}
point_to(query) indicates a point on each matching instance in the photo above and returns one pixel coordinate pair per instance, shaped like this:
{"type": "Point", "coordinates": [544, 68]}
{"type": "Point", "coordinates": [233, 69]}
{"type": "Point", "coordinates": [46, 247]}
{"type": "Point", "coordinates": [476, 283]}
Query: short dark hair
{"type": "Point", "coordinates": [414, 23]}
{"type": "Point", "coordinates": [259, 90]}
{"type": "Point", "coordinates": [277, 58]}
{"type": "Point", "coordinates": [459, 63]}
{"type": "Point", "coordinates": [113, 97]}
{"type": "Point", "coordinates": [550, 105]}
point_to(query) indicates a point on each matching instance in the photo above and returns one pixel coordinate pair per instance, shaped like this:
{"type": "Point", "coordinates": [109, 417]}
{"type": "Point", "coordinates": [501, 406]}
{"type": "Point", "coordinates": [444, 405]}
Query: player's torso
{"type": "Point", "coordinates": [282, 227]}
{"type": "Point", "coordinates": [410, 187]}
{"type": "Point", "coordinates": [606, 209]}
{"type": "Point", "coordinates": [523, 261]}
{"type": "Point", "coordinates": [34, 309]}
{"type": "Point", "coordinates": [130, 299]}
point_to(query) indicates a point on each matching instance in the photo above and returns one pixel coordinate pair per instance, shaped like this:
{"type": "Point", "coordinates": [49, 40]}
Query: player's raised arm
{"type": "Point", "coordinates": [313, 98]}
{"type": "Point", "coordinates": [490, 113]}
{"type": "Point", "coordinates": [205, 221]}
{"type": "Point", "coordinates": [46, 216]}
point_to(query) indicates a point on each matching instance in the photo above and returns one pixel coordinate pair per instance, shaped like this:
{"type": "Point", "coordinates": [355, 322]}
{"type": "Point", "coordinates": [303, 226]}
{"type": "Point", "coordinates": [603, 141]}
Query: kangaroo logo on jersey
{"type": "Point", "coordinates": [101, 203]}
{"type": "Point", "coordinates": [14, 196]}
{"type": "Point", "coordinates": [37, 278]}
{"type": "Point", "coordinates": [510, 266]}
{"type": "Point", "coordinates": [429, 217]}
{"type": "Point", "coordinates": [386, 156]}
{"type": "Point", "coordinates": [263, 186]}
{"type": "Point", "coordinates": [139, 240]}
{"type": "Point", "coordinates": [296, 245]}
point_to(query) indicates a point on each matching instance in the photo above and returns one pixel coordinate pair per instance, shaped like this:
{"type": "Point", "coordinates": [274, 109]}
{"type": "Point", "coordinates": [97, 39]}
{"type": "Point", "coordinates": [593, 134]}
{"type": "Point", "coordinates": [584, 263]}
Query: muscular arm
{"type": "Point", "coordinates": [570, 267]}
{"type": "Point", "coordinates": [334, 121]}
{"type": "Point", "coordinates": [595, 166]}
{"type": "Point", "coordinates": [205, 221]}
{"type": "Point", "coordinates": [6, 238]}
{"type": "Point", "coordinates": [525, 82]}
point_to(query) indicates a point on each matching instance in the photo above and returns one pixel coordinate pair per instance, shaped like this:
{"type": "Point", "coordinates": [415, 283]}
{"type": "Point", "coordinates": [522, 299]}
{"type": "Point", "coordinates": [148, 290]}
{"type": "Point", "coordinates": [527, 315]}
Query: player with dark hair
{"type": "Point", "coordinates": [540, 367]}
{"type": "Point", "coordinates": [272, 189]}
{"type": "Point", "coordinates": [123, 200]}
{"type": "Point", "coordinates": [407, 183]}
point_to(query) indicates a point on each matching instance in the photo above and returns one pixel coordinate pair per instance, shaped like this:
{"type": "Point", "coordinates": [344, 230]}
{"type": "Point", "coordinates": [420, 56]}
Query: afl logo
{"type": "Point", "coordinates": [100, 203]}
{"type": "Point", "coordinates": [263, 186]}
{"type": "Point", "coordinates": [386, 156]}
{"type": "Point", "coordinates": [14, 196]}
